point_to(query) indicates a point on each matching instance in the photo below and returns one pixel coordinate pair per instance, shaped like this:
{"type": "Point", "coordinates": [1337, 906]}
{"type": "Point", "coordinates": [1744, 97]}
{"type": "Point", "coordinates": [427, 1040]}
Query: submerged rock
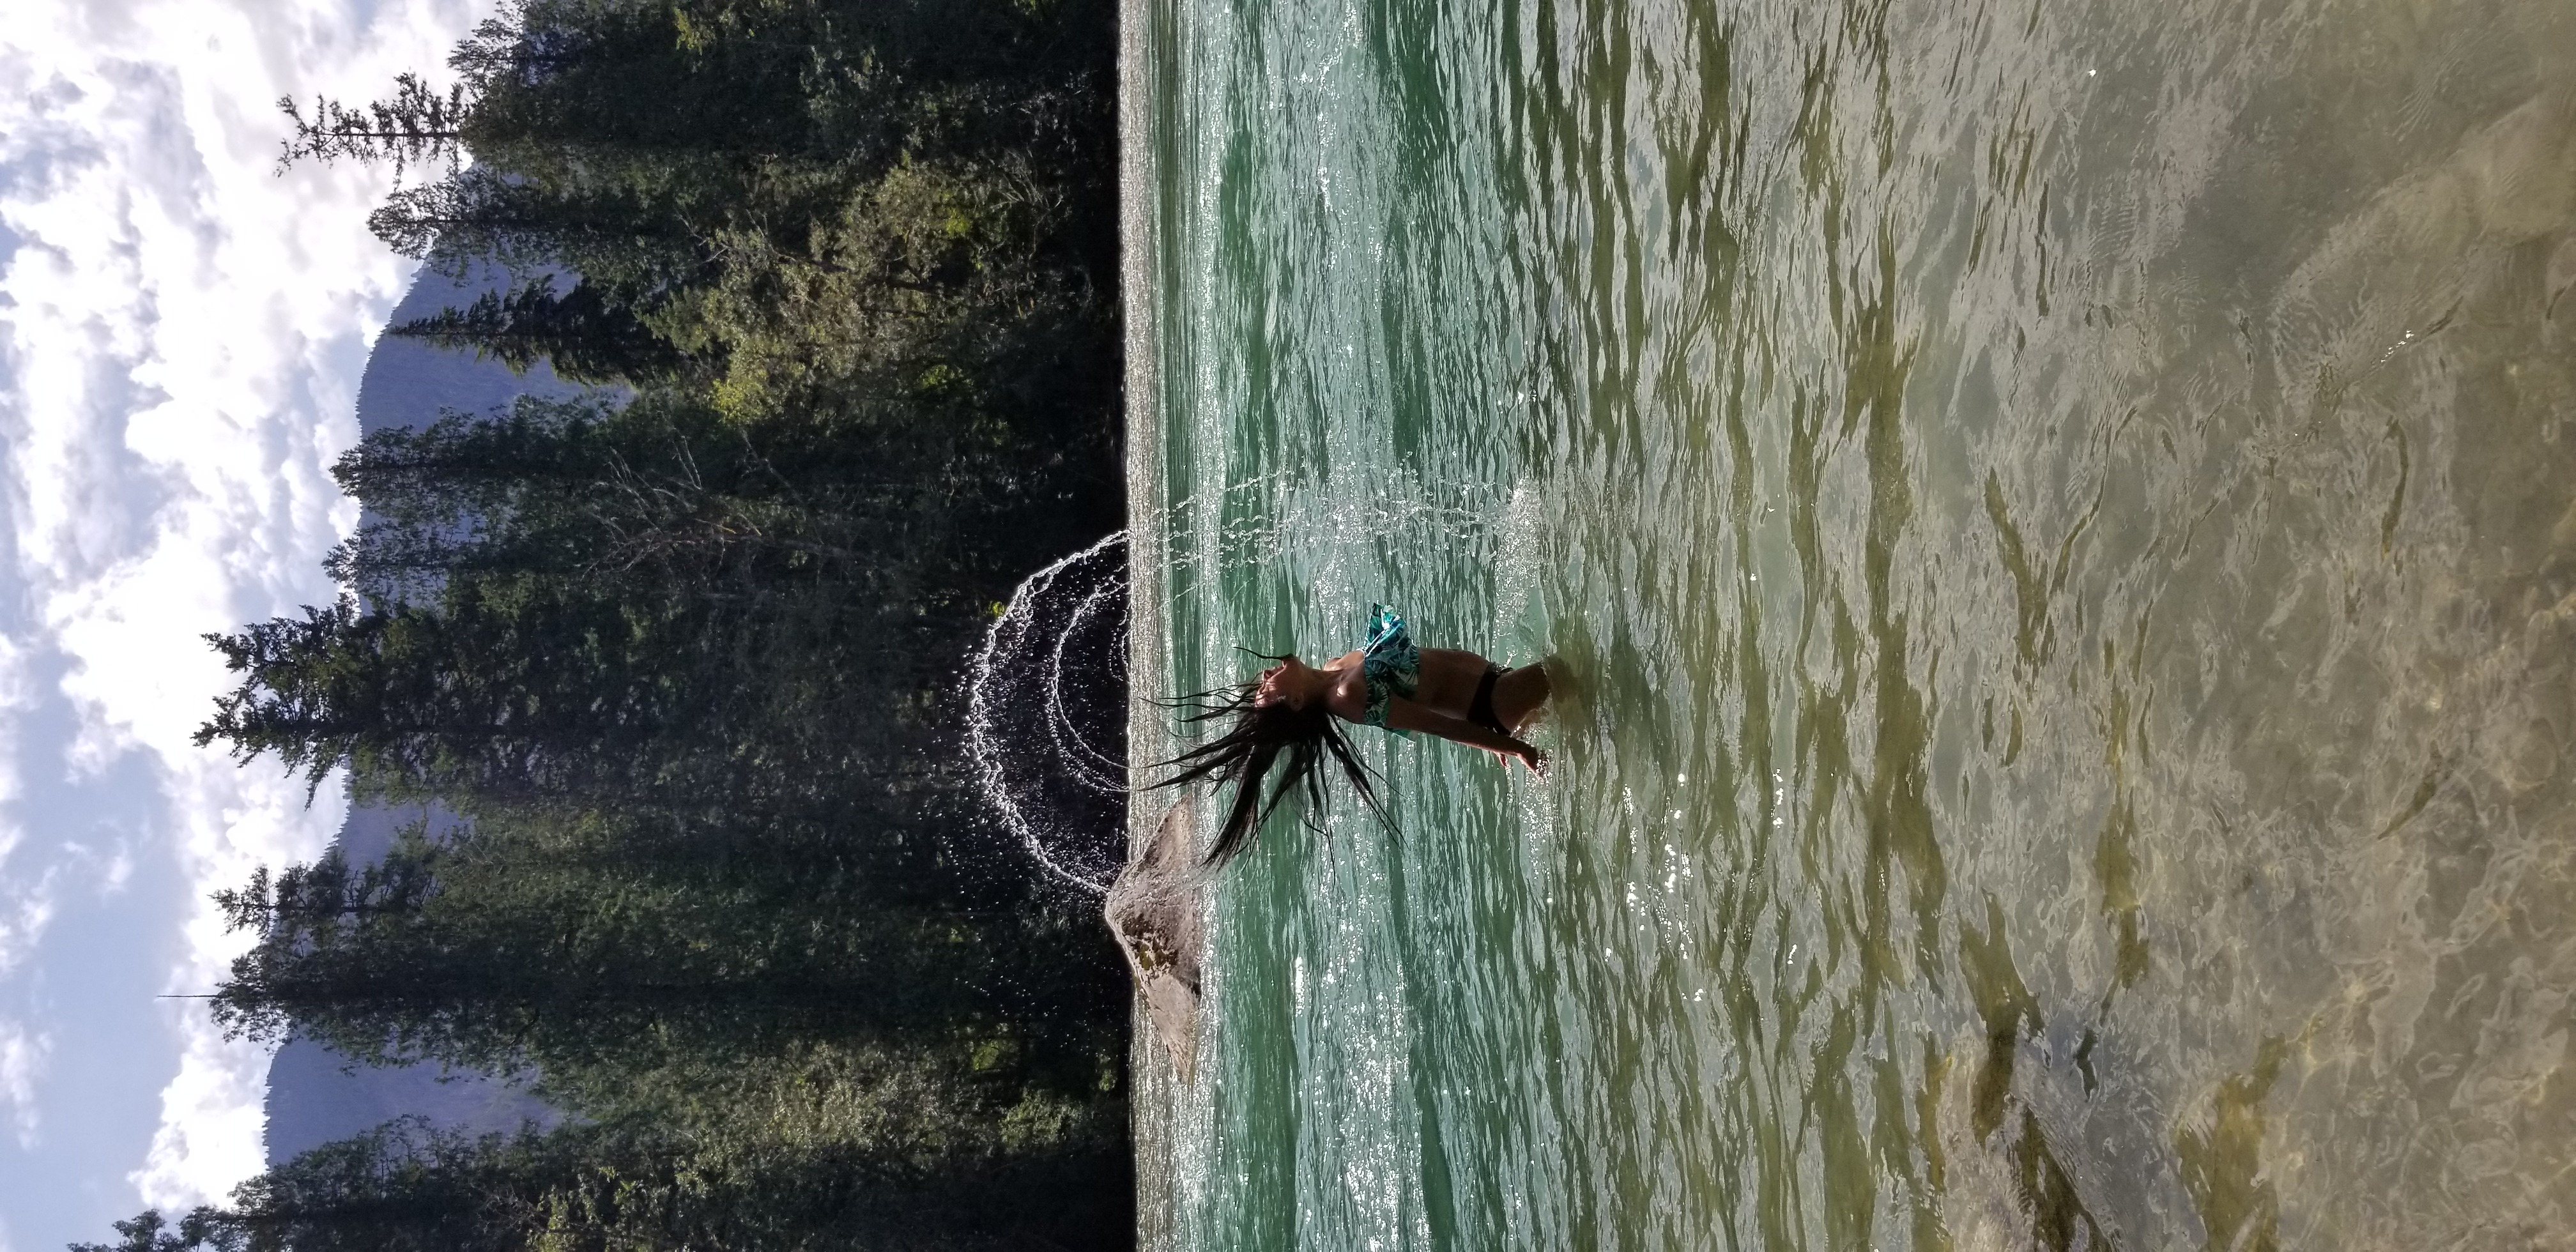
{"type": "Point", "coordinates": [1155, 910]}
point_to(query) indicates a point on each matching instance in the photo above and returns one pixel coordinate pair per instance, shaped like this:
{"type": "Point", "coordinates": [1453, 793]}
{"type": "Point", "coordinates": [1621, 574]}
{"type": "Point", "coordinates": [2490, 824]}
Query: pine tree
{"type": "Point", "coordinates": [397, 1188]}
{"type": "Point", "coordinates": [623, 1184]}
{"type": "Point", "coordinates": [531, 951]}
{"type": "Point", "coordinates": [681, 660]}
{"type": "Point", "coordinates": [417, 125]}
{"type": "Point", "coordinates": [584, 335]}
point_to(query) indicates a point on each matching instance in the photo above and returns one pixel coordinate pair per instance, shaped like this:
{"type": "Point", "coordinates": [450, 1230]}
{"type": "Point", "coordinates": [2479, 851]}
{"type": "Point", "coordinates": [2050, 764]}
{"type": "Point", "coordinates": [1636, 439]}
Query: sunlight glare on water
{"type": "Point", "coordinates": [2059, 528]}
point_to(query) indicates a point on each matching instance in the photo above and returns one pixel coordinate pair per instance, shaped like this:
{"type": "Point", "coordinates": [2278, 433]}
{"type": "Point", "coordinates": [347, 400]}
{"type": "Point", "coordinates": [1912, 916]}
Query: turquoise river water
{"type": "Point", "coordinates": [2054, 521]}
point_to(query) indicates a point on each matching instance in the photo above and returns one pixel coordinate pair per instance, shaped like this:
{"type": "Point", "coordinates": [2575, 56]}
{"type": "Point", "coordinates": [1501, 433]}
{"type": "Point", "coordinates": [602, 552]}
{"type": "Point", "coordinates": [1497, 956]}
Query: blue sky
{"type": "Point", "coordinates": [181, 336]}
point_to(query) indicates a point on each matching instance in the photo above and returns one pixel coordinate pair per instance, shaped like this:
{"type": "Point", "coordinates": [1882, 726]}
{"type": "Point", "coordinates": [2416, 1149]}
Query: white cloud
{"type": "Point", "coordinates": [24, 909]}
{"type": "Point", "coordinates": [22, 1058]}
{"type": "Point", "coordinates": [15, 699]}
{"type": "Point", "coordinates": [180, 333]}
{"type": "Point", "coordinates": [211, 1124]}
{"type": "Point", "coordinates": [211, 1134]}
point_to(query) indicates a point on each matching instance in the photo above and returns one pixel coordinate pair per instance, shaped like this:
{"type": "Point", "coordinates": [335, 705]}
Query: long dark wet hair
{"type": "Point", "coordinates": [1251, 748]}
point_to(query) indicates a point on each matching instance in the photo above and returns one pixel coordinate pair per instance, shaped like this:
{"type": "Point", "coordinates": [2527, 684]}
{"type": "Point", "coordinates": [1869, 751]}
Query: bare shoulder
{"type": "Point", "coordinates": [1347, 698]}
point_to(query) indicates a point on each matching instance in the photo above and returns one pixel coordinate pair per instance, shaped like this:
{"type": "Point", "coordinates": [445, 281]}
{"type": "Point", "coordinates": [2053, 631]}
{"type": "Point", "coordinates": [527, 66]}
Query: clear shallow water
{"type": "Point", "coordinates": [2057, 523]}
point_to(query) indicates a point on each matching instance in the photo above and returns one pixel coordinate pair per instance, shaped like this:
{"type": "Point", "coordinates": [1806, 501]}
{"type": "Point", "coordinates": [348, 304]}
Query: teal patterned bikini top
{"type": "Point", "coordinates": [1390, 665]}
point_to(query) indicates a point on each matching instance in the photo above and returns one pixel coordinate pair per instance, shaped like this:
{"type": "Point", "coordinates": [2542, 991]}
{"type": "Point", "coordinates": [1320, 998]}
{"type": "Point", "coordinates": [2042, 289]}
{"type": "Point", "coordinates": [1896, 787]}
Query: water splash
{"type": "Point", "coordinates": [1048, 688]}
{"type": "Point", "coordinates": [1254, 522]}
{"type": "Point", "coordinates": [1048, 685]}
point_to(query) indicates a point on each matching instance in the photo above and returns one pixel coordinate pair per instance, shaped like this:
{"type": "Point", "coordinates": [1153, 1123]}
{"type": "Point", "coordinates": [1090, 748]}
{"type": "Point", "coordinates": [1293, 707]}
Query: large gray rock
{"type": "Point", "coordinates": [1156, 908]}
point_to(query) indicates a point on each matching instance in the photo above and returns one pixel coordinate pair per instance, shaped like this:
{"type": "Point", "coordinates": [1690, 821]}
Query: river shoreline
{"type": "Point", "coordinates": [1153, 1087]}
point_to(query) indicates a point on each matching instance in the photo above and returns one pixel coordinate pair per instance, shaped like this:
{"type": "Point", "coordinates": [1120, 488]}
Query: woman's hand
{"type": "Point", "coordinates": [1531, 757]}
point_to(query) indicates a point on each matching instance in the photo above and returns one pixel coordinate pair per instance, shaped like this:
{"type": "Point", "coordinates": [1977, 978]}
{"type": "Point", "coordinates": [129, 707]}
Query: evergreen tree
{"type": "Point", "coordinates": [500, 690]}
{"type": "Point", "coordinates": [611, 235]}
{"type": "Point", "coordinates": [625, 1185]}
{"type": "Point", "coordinates": [418, 124]}
{"type": "Point", "coordinates": [569, 961]}
{"type": "Point", "coordinates": [917, 185]}
{"type": "Point", "coordinates": [681, 660]}
{"type": "Point", "coordinates": [581, 332]}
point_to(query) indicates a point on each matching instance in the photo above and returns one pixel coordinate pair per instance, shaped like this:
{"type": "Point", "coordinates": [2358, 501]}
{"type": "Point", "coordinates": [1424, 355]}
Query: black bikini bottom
{"type": "Point", "coordinates": [1481, 709]}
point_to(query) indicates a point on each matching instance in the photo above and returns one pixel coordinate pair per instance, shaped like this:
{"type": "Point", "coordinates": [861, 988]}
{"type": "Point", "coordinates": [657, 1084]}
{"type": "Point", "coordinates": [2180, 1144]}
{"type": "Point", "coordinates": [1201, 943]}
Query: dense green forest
{"type": "Point", "coordinates": [682, 655]}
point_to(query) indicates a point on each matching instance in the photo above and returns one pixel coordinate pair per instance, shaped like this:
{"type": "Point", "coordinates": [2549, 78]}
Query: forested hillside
{"type": "Point", "coordinates": [683, 653]}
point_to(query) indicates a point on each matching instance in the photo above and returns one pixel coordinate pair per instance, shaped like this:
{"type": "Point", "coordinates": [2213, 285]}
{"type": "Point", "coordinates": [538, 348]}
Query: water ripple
{"type": "Point", "coordinates": [2055, 527]}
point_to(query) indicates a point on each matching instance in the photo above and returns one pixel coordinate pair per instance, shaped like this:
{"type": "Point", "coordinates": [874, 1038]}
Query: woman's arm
{"type": "Point", "coordinates": [1404, 714]}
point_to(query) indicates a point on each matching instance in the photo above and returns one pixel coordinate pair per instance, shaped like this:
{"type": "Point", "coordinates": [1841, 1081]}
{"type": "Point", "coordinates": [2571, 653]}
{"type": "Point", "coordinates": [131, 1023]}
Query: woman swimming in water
{"type": "Point", "coordinates": [1292, 709]}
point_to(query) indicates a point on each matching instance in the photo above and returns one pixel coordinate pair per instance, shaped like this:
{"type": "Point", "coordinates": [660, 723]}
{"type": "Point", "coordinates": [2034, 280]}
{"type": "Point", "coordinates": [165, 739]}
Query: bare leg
{"type": "Point", "coordinates": [1518, 695]}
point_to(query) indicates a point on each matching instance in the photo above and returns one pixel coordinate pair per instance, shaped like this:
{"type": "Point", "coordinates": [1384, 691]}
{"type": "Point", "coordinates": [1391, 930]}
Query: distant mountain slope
{"type": "Point", "coordinates": [314, 1094]}
{"type": "Point", "coordinates": [408, 382]}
